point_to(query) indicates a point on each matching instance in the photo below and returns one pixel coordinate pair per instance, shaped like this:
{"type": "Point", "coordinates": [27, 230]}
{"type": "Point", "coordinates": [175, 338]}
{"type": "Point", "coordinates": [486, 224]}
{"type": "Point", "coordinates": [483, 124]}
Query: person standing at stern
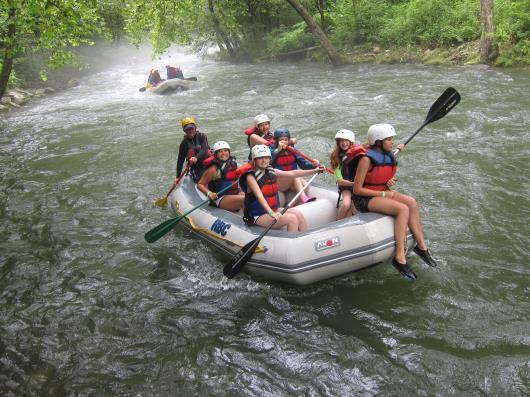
{"type": "Point", "coordinates": [194, 148]}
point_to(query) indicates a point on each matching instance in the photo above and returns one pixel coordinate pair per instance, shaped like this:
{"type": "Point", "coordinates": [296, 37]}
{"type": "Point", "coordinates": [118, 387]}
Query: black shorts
{"type": "Point", "coordinates": [361, 202]}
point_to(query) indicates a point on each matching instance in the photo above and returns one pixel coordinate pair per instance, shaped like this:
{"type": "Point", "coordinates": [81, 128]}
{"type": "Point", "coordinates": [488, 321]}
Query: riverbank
{"type": "Point", "coordinates": [463, 54]}
{"type": "Point", "coordinates": [17, 97]}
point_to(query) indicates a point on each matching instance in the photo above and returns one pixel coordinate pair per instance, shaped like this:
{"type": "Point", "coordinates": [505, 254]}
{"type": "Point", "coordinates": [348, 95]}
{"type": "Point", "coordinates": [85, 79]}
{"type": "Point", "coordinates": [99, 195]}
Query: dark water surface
{"type": "Point", "coordinates": [88, 308]}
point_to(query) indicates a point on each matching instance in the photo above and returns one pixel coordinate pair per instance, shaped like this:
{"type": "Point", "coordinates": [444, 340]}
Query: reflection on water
{"type": "Point", "coordinates": [87, 307]}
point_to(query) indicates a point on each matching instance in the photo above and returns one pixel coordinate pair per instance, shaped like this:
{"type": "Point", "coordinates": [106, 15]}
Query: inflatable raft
{"type": "Point", "coordinates": [169, 86]}
{"type": "Point", "coordinates": [327, 249]}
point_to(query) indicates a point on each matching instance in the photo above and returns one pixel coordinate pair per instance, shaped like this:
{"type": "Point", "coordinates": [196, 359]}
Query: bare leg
{"type": "Point", "coordinates": [414, 218]}
{"type": "Point", "coordinates": [302, 223]}
{"type": "Point", "coordinates": [289, 220]}
{"type": "Point", "coordinates": [232, 202]}
{"type": "Point", "coordinates": [284, 184]}
{"type": "Point", "coordinates": [401, 212]}
{"type": "Point", "coordinates": [345, 205]}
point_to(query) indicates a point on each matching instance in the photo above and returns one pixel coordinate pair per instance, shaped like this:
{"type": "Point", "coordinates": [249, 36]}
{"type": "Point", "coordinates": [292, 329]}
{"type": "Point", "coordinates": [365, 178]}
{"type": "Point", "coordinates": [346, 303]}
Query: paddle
{"type": "Point", "coordinates": [443, 105]}
{"type": "Point", "coordinates": [142, 89]}
{"type": "Point", "coordinates": [292, 149]}
{"type": "Point", "coordinates": [161, 230]}
{"type": "Point", "coordinates": [242, 257]}
{"type": "Point", "coordinates": [162, 201]}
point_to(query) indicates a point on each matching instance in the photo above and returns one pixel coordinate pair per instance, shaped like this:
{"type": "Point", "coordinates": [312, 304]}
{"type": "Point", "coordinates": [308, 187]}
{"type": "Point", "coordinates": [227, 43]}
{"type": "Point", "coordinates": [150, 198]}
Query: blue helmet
{"type": "Point", "coordinates": [281, 133]}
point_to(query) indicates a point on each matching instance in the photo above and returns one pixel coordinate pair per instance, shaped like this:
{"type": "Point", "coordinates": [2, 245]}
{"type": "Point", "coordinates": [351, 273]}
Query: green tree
{"type": "Point", "coordinates": [42, 25]}
{"type": "Point", "coordinates": [333, 55]}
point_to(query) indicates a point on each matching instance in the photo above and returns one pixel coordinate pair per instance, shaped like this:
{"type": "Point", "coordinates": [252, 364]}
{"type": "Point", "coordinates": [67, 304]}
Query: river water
{"type": "Point", "coordinates": [87, 307]}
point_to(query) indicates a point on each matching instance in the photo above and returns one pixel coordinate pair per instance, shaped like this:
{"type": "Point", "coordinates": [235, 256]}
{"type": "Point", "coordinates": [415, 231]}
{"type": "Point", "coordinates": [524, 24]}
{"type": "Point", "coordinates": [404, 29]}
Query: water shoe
{"type": "Point", "coordinates": [425, 256]}
{"type": "Point", "coordinates": [404, 269]}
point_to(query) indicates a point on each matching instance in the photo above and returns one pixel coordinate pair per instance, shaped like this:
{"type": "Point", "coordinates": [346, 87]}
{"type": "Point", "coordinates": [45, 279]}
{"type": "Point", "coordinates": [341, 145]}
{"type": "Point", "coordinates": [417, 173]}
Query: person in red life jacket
{"type": "Point", "coordinates": [344, 140]}
{"type": "Point", "coordinates": [260, 134]}
{"type": "Point", "coordinates": [371, 193]}
{"type": "Point", "coordinates": [154, 78]}
{"type": "Point", "coordinates": [174, 72]}
{"type": "Point", "coordinates": [194, 148]}
{"type": "Point", "coordinates": [222, 172]}
{"type": "Point", "coordinates": [260, 185]}
{"type": "Point", "coordinates": [285, 160]}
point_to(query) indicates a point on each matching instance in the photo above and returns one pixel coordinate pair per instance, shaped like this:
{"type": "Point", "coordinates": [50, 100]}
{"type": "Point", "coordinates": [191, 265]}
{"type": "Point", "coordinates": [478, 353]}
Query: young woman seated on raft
{"type": "Point", "coordinates": [222, 172]}
{"type": "Point", "coordinates": [285, 160]}
{"type": "Point", "coordinates": [371, 192]}
{"type": "Point", "coordinates": [344, 140]}
{"type": "Point", "coordinates": [260, 185]}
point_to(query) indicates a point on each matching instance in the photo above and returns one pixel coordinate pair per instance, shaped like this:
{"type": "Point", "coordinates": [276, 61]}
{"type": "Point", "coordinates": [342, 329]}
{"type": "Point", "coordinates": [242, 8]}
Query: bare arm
{"type": "Point", "coordinates": [295, 173]}
{"type": "Point", "coordinates": [206, 178]}
{"type": "Point", "coordinates": [257, 140]}
{"type": "Point", "coordinates": [344, 182]}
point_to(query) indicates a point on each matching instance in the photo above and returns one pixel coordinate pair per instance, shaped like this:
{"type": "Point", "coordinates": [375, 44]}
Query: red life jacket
{"type": "Point", "coordinates": [269, 188]}
{"type": "Point", "coordinates": [251, 130]}
{"type": "Point", "coordinates": [384, 167]}
{"type": "Point", "coordinates": [228, 175]}
{"type": "Point", "coordinates": [285, 161]}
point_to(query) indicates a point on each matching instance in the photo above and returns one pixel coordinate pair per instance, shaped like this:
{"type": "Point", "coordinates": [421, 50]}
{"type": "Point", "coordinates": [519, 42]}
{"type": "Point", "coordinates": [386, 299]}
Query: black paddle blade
{"type": "Point", "coordinates": [142, 89]}
{"type": "Point", "coordinates": [191, 78]}
{"type": "Point", "coordinates": [241, 258]}
{"type": "Point", "coordinates": [443, 105]}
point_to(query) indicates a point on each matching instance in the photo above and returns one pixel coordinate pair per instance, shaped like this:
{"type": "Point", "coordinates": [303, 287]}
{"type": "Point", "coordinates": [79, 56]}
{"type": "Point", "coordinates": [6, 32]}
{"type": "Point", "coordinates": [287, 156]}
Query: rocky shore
{"type": "Point", "coordinates": [16, 97]}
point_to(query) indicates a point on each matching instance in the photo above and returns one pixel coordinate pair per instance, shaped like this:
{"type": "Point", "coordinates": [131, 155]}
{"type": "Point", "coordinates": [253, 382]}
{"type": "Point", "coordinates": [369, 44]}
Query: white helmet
{"type": "Point", "coordinates": [345, 134]}
{"type": "Point", "coordinates": [260, 151]}
{"type": "Point", "coordinates": [220, 145]}
{"type": "Point", "coordinates": [261, 118]}
{"type": "Point", "coordinates": [378, 132]}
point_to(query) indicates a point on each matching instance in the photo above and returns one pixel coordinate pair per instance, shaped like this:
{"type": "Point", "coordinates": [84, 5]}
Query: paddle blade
{"type": "Point", "coordinates": [161, 230]}
{"type": "Point", "coordinates": [142, 89]}
{"type": "Point", "coordinates": [161, 202]}
{"type": "Point", "coordinates": [234, 266]}
{"type": "Point", "coordinates": [191, 78]}
{"type": "Point", "coordinates": [443, 105]}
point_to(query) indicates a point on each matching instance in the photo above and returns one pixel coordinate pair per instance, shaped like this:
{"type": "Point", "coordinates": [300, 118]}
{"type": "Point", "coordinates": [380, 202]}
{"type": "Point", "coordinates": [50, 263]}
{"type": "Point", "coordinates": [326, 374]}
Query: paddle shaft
{"type": "Point", "coordinates": [177, 181]}
{"type": "Point", "coordinates": [443, 105]}
{"type": "Point", "coordinates": [161, 230]}
{"type": "Point", "coordinates": [242, 257]}
{"type": "Point", "coordinates": [292, 149]}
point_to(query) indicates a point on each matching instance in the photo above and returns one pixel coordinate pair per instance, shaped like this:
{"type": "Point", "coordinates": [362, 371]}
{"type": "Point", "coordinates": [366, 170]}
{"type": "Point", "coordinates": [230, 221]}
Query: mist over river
{"type": "Point", "coordinates": [87, 307]}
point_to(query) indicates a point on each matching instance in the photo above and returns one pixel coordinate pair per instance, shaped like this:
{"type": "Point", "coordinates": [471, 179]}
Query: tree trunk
{"type": "Point", "coordinates": [222, 35]}
{"type": "Point", "coordinates": [333, 55]}
{"type": "Point", "coordinates": [489, 50]}
{"type": "Point", "coordinates": [7, 61]}
{"type": "Point", "coordinates": [321, 6]}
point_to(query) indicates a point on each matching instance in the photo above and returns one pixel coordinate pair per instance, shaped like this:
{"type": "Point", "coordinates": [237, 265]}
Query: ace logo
{"type": "Point", "coordinates": [327, 243]}
{"type": "Point", "coordinates": [220, 227]}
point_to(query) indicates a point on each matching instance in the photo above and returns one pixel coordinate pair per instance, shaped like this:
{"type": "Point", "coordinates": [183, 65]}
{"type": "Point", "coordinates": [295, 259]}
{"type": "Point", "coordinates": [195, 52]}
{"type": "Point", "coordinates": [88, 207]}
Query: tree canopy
{"type": "Point", "coordinates": [251, 29]}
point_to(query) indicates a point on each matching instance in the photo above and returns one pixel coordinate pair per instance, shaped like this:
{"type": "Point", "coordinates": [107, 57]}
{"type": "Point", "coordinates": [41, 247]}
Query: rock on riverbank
{"type": "Point", "coordinates": [16, 97]}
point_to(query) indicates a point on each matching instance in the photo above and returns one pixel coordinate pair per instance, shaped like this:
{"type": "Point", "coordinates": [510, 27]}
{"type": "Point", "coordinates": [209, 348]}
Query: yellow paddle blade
{"type": "Point", "coordinates": [161, 202]}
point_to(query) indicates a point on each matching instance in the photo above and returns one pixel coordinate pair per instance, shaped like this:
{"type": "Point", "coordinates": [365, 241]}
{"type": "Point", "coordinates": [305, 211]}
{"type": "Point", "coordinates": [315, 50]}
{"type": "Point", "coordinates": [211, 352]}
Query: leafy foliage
{"type": "Point", "coordinates": [283, 40]}
{"type": "Point", "coordinates": [431, 22]}
{"type": "Point", "coordinates": [50, 26]}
